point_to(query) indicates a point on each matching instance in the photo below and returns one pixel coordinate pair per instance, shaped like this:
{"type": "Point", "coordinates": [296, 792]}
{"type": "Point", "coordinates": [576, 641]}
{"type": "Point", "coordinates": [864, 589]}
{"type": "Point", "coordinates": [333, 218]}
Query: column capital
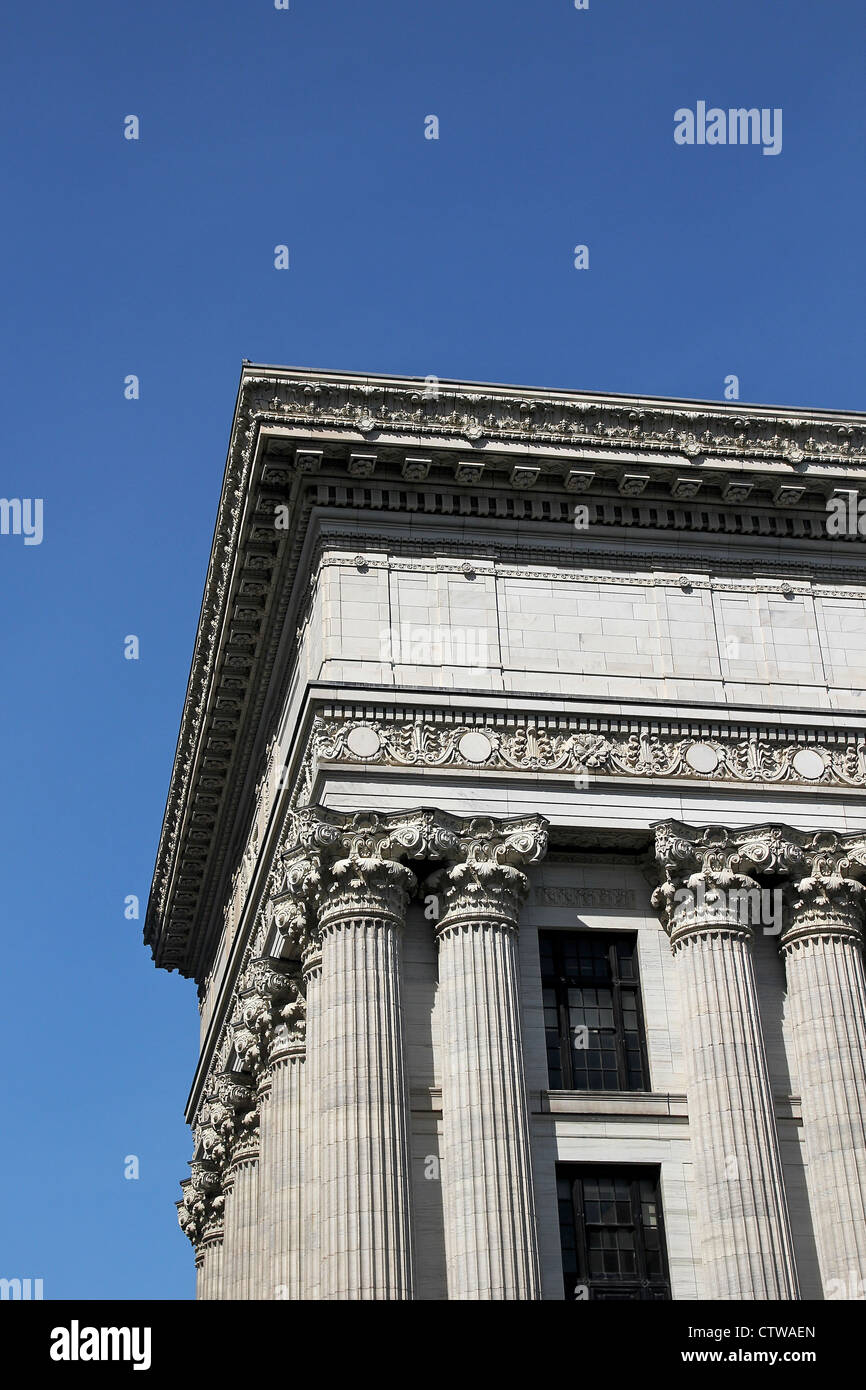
{"type": "Point", "coordinates": [334, 835]}
{"type": "Point", "coordinates": [484, 882]}
{"type": "Point", "coordinates": [703, 872]}
{"type": "Point", "coordinates": [824, 905]}
{"type": "Point", "coordinates": [421, 834]}
{"type": "Point", "coordinates": [358, 858]}
{"type": "Point", "coordinates": [294, 907]}
{"type": "Point", "coordinates": [701, 880]}
{"type": "Point", "coordinates": [705, 875]}
{"type": "Point", "coordinates": [200, 1211]}
{"type": "Point", "coordinates": [270, 1007]}
{"type": "Point", "coordinates": [236, 1106]}
{"type": "Point", "coordinates": [829, 898]}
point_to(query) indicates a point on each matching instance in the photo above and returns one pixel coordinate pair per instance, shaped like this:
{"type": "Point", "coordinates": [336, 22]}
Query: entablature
{"type": "Point", "coordinates": [305, 440]}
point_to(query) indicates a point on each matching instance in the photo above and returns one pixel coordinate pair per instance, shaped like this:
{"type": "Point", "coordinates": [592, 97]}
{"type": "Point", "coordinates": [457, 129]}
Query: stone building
{"type": "Point", "coordinates": [516, 840]}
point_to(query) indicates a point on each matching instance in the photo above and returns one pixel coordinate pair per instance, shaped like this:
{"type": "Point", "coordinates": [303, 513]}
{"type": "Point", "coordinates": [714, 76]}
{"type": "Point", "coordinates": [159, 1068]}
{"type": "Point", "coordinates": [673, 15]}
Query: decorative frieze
{"type": "Point", "coordinates": [600, 746]}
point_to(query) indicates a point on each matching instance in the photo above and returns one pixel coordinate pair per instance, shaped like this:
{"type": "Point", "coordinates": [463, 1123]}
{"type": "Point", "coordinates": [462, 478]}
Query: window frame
{"type": "Point", "coordinates": [641, 1287]}
{"type": "Point", "coordinates": [561, 984]}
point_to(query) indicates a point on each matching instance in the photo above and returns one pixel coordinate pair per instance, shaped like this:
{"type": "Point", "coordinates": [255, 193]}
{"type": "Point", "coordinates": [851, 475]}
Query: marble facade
{"type": "Point", "coordinates": [428, 718]}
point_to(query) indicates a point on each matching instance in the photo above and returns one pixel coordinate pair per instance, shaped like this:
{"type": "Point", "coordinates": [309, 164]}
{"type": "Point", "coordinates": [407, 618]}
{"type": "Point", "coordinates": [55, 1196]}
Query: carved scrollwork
{"type": "Point", "coordinates": [820, 873]}
{"type": "Point", "coordinates": [200, 1210]}
{"type": "Point", "coordinates": [822, 905]}
{"type": "Point", "coordinates": [270, 1000]}
{"type": "Point", "coordinates": [484, 882]}
{"type": "Point", "coordinates": [653, 752]}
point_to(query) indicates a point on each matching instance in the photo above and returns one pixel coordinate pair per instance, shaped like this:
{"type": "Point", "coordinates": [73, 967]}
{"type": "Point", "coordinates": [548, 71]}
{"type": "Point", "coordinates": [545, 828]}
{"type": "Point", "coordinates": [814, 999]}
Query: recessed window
{"type": "Point", "coordinates": [592, 1011]}
{"type": "Point", "coordinates": [612, 1233]}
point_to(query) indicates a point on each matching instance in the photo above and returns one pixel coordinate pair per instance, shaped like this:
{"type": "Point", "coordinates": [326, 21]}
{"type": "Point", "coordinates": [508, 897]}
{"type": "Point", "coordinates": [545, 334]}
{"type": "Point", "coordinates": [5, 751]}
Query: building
{"type": "Point", "coordinates": [516, 840]}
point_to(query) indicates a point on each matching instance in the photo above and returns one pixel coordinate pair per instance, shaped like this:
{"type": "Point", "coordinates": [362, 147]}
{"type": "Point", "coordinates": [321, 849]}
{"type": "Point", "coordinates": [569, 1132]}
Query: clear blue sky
{"type": "Point", "coordinates": [450, 258]}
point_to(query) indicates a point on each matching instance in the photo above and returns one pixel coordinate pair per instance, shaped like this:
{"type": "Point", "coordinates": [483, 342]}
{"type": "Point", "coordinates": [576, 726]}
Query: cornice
{"type": "Point", "coordinates": [251, 595]}
{"type": "Point", "coordinates": [478, 412]}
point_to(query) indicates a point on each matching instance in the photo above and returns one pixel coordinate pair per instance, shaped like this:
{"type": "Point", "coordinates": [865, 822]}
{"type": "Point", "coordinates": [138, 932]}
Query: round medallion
{"type": "Point", "coordinates": [809, 764]}
{"type": "Point", "coordinates": [702, 757]}
{"type": "Point", "coordinates": [475, 748]}
{"type": "Point", "coordinates": [363, 741]}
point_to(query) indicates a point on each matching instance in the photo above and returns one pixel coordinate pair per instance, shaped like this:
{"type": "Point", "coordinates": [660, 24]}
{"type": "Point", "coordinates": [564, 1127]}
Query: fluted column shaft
{"type": "Point", "coordinates": [268, 1035]}
{"type": "Point", "coordinates": [822, 948]}
{"type": "Point", "coordinates": [208, 1266]}
{"type": "Point", "coordinates": [240, 1246]}
{"type": "Point", "coordinates": [365, 1204]}
{"type": "Point", "coordinates": [281, 1177]}
{"type": "Point", "coordinates": [311, 1163]}
{"type": "Point", "coordinates": [491, 1241]}
{"type": "Point", "coordinates": [240, 1264]}
{"type": "Point", "coordinates": [745, 1237]}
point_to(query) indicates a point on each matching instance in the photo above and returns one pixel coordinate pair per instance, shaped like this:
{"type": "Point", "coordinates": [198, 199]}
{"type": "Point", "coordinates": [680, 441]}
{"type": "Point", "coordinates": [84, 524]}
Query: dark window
{"type": "Point", "coordinates": [592, 1011]}
{"type": "Point", "coordinates": [610, 1223]}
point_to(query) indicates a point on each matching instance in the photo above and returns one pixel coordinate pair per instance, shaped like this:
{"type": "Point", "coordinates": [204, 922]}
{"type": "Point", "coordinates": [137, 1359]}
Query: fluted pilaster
{"type": "Point", "coordinates": [491, 1241]}
{"type": "Point", "coordinates": [822, 947]}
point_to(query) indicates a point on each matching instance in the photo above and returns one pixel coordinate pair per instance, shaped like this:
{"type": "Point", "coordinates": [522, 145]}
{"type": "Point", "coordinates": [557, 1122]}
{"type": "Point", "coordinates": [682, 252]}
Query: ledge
{"type": "Point", "coordinates": [647, 1105]}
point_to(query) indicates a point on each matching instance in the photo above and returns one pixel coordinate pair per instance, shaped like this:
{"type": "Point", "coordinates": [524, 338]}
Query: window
{"type": "Point", "coordinates": [592, 1011]}
{"type": "Point", "coordinates": [610, 1223]}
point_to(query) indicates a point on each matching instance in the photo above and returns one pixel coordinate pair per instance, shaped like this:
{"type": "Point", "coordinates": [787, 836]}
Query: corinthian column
{"type": "Point", "coordinates": [240, 1186]}
{"type": "Point", "coordinates": [200, 1213]}
{"type": "Point", "coordinates": [312, 1149]}
{"type": "Point", "coordinates": [822, 947]}
{"type": "Point", "coordinates": [491, 1244]}
{"type": "Point", "coordinates": [269, 1044]}
{"type": "Point", "coordinates": [296, 1057]}
{"type": "Point", "coordinates": [364, 1193]}
{"type": "Point", "coordinates": [743, 1226]}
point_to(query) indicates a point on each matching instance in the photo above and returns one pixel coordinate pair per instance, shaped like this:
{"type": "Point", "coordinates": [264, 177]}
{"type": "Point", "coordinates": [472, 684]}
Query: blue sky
{"type": "Point", "coordinates": [451, 258]}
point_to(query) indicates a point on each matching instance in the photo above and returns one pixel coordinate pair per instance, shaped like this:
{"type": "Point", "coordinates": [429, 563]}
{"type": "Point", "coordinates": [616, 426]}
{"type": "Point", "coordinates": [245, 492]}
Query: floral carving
{"type": "Point", "coordinates": [740, 757]}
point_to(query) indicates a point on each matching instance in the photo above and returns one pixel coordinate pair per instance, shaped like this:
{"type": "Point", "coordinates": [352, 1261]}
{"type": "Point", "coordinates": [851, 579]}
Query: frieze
{"type": "Point", "coordinates": [609, 748]}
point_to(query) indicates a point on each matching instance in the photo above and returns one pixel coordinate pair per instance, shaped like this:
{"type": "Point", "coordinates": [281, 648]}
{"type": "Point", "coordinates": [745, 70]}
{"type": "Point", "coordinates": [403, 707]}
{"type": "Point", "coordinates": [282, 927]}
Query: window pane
{"type": "Point", "coordinates": [592, 1020]}
{"type": "Point", "coordinates": [611, 1228]}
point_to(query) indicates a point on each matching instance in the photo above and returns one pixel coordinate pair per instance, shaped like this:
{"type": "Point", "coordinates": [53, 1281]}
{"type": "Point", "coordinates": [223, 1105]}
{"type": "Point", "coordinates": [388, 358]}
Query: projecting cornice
{"type": "Point", "coordinates": [481, 413]}
{"type": "Point", "coordinates": [302, 439]}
